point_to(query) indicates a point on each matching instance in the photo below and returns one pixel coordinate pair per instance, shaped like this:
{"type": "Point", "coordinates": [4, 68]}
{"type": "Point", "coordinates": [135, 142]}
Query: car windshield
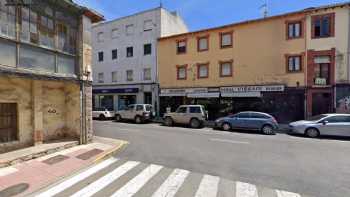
{"type": "Point", "coordinates": [315, 118]}
{"type": "Point", "coordinates": [148, 107]}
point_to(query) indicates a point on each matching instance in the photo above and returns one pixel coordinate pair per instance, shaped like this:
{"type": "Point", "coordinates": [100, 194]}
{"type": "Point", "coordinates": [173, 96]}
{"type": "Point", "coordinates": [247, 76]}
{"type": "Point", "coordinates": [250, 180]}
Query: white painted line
{"type": "Point", "coordinates": [7, 170]}
{"type": "Point", "coordinates": [129, 130]}
{"type": "Point", "coordinates": [70, 182]}
{"type": "Point", "coordinates": [281, 193]}
{"type": "Point", "coordinates": [104, 181]}
{"type": "Point", "coordinates": [138, 182]}
{"type": "Point", "coordinates": [246, 190]}
{"type": "Point", "coordinates": [228, 141]}
{"type": "Point", "coordinates": [172, 184]}
{"type": "Point", "coordinates": [208, 186]}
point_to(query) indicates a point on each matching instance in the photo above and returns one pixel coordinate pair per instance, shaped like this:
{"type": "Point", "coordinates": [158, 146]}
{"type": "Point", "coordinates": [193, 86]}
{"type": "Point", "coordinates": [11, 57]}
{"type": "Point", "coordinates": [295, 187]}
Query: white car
{"type": "Point", "coordinates": [102, 114]}
{"type": "Point", "coordinates": [137, 112]}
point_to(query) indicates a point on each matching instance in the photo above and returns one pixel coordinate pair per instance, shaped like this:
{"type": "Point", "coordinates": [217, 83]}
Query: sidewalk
{"type": "Point", "coordinates": [26, 177]}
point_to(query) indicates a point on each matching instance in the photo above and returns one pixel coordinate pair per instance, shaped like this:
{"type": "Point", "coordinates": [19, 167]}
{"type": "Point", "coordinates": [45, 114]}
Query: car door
{"type": "Point", "coordinates": [255, 121]}
{"type": "Point", "coordinates": [179, 115]}
{"type": "Point", "coordinates": [335, 125]}
{"type": "Point", "coordinates": [129, 111]}
{"type": "Point", "coordinates": [240, 120]}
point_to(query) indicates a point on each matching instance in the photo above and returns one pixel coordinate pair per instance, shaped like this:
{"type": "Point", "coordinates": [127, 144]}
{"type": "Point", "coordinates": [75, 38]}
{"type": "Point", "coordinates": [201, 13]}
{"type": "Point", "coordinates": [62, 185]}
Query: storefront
{"type": "Point", "coordinates": [286, 104]}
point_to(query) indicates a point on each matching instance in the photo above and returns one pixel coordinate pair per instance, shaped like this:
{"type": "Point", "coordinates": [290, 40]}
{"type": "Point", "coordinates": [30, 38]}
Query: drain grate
{"type": "Point", "coordinates": [55, 159]}
{"type": "Point", "coordinates": [14, 190]}
{"type": "Point", "coordinates": [89, 154]}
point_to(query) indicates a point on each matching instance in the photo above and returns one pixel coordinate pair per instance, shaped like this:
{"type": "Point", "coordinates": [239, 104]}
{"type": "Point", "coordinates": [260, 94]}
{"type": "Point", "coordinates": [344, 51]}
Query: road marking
{"type": "Point", "coordinates": [228, 141]}
{"type": "Point", "coordinates": [208, 186]}
{"type": "Point", "coordinates": [131, 130]}
{"type": "Point", "coordinates": [286, 194]}
{"type": "Point", "coordinates": [106, 180]}
{"type": "Point", "coordinates": [246, 190]}
{"type": "Point", "coordinates": [138, 182]}
{"type": "Point", "coordinates": [172, 184]}
{"type": "Point", "coordinates": [79, 177]}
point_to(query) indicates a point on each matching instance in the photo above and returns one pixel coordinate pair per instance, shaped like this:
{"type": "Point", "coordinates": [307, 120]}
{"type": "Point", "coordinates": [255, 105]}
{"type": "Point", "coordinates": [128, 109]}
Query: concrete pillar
{"type": "Point", "coordinates": [37, 92]}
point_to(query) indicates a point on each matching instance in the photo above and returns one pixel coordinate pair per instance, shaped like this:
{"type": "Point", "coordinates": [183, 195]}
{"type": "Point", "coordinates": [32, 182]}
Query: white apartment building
{"type": "Point", "coordinates": [125, 57]}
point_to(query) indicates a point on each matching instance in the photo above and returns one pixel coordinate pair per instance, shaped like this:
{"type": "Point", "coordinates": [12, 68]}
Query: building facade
{"type": "Point", "coordinates": [125, 57]}
{"type": "Point", "coordinates": [45, 74]}
{"type": "Point", "coordinates": [270, 65]}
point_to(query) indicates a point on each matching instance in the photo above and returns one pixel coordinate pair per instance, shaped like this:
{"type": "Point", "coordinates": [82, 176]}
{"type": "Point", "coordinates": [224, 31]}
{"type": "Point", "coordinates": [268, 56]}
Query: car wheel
{"type": "Point", "coordinates": [267, 130]}
{"type": "Point", "coordinates": [102, 117]}
{"type": "Point", "coordinates": [194, 123]}
{"type": "Point", "coordinates": [118, 118]}
{"type": "Point", "coordinates": [168, 121]}
{"type": "Point", "coordinates": [312, 133]}
{"type": "Point", "coordinates": [138, 120]}
{"type": "Point", "coordinates": [226, 126]}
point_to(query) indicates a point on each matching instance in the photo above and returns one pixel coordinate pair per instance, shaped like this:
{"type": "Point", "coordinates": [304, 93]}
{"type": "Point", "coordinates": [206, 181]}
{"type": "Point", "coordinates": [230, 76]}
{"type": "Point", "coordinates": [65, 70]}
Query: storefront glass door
{"type": "Point", "coordinates": [126, 100]}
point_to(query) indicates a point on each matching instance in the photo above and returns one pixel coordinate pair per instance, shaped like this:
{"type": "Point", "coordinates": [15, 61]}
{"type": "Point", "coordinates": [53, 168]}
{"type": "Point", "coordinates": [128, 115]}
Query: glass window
{"type": "Point", "coordinates": [226, 40]}
{"type": "Point", "coordinates": [195, 110]}
{"type": "Point", "coordinates": [7, 20]}
{"type": "Point", "coordinates": [147, 74]}
{"type": "Point", "coordinates": [202, 44]}
{"type": "Point", "coordinates": [115, 33]}
{"type": "Point", "coordinates": [243, 115]}
{"type": "Point", "coordinates": [203, 71]}
{"type": "Point", "coordinates": [100, 36]}
{"type": "Point", "coordinates": [129, 52]}
{"type": "Point", "coordinates": [114, 76]}
{"type": "Point", "coordinates": [131, 107]}
{"type": "Point", "coordinates": [260, 116]}
{"type": "Point", "coordinates": [181, 47]}
{"type": "Point", "coordinates": [129, 75]}
{"type": "Point", "coordinates": [181, 110]}
{"type": "Point", "coordinates": [36, 59]}
{"type": "Point", "coordinates": [226, 69]}
{"type": "Point", "coordinates": [66, 38]}
{"type": "Point", "coordinates": [147, 49]}
{"type": "Point", "coordinates": [294, 30]}
{"type": "Point", "coordinates": [181, 72]}
{"type": "Point", "coordinates": [100, 56]}
{"type": "Point", "coordinates": [66, 64]}
{"type": "Point", "coordinates": [7, 53]}
{"type": "Point", "coordinates": [322, 26]}
{"type": "Point", "coordinates": [139, 108]}
{"type": "Point", "coordinates": [147, 25]}
{"type": "Point", "coordinates": [321, 74]}
{"type": "Point", "coordinates": [129, 29]}
{"type": "Point", "coordinates": [315, 118]}
{"type": "Point", "coordinates": [100, 77]}
{"type": "Point", "coordinates": [294, 63]}
{"type": "Point", "coordinates": [114, 54]}
{"type": "Point", "coordinates": [337, 119]}
{"type": "Point", "coordinates": [46, 32]}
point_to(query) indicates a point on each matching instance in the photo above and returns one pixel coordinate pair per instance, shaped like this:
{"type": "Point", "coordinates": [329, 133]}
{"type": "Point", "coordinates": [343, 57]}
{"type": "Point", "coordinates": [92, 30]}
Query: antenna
{"type": "Point", "coordinates": [160, 3]}
{"type": "Point", "coordinates": [265, 8]}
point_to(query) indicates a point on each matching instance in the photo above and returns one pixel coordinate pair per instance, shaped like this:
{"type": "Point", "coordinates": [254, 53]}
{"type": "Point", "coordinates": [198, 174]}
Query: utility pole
{"type": "Point", "coordinates": [265, 8]}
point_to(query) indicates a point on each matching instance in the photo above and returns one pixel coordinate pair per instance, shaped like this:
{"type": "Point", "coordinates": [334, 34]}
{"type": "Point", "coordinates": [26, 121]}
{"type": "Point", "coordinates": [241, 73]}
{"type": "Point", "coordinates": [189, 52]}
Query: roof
{"type": "Point", "coordinates": [304, 11]}
{"type": "Point", "coordinates": [90, 13]}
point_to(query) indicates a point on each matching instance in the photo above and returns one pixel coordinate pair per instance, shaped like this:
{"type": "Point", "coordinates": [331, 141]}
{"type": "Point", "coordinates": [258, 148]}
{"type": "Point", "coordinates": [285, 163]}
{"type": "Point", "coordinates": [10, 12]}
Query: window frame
{"type": "Point", "coordinates": [331, 25]}
{"type": "Point", "coordinates": [132, 52]}
{"type": "Point", "coordinates": [198, 70]}
{"type": "Point", "coordinates": [114, 73]}
{"type": "Point", "coordinates": [288, 56]}
{"type": "Point", "coordinates": [294, 22]}
{"type": "Point", "coordinates": [144, 49]}
{"type": "Point", "coordinates": [198, 43]}
{"type": "Point", "coordinates": [221, 65]}
{"type": "Point", "coordinates": [177, 46]}
{"type": "Point", "coordinates": [99, 78]}
{"type": "Point", "coordinates": [132, 75]}
{"type": "Point", "coordinates": [114, 54]}
{"type": "Point", "coordinates": [100, 56]}
{"type": "Point", "coordinates": [144, 74]}
{"type": "Point", "coordinates": [178, 67]}
{"type": "Point", "coordinates": [222, 34]}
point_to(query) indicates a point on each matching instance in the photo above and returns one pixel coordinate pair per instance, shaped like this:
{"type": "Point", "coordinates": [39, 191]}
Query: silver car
{"type": "Point", "coordinates": [325, 124]}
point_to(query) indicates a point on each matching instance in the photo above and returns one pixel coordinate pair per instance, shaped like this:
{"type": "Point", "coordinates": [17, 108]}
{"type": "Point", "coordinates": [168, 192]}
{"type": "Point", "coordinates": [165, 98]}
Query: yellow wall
{"type": "Point", "coordinates": [258, 53]}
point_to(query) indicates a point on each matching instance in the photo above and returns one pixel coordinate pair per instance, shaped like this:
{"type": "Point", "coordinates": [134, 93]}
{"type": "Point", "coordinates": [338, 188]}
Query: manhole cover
{"type": "Point", "coordinates": [89, 154]}
{"type": "Point", "coordinates": [14, 190]}
{"type": "Point", "coordinates": [55, 159]}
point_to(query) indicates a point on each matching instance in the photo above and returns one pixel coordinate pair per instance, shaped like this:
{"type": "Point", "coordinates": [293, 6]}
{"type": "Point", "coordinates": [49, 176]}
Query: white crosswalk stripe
{"type": "Point", "coordinates": [106, 180]}
{"type": "Point", "coordinates": [77, 178]}
{"type": "Point", "coordinates": [150, 178]}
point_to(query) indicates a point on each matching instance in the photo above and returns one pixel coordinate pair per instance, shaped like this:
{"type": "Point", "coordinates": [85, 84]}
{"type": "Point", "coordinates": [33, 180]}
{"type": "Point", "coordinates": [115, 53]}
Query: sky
{"type": "Point", "coordinates": [202, 14]}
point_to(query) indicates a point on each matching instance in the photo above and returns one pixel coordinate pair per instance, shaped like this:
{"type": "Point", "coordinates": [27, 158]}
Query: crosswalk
{"type": "Point", "coordinates": [119, 178]}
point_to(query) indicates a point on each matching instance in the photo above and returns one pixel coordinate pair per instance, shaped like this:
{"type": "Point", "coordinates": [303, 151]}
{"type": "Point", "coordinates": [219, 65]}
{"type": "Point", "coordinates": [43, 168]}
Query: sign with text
{"type": "Point", "coordinates": [271, 88]}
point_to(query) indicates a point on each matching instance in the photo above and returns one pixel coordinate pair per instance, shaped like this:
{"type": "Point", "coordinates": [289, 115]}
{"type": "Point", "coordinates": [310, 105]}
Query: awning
{"type": "Point", "coordinates": [241, 94]}
{"type": "Point", "coordinates": [204, 95]}
{"type": "Point", "coordinates": [172, 94]}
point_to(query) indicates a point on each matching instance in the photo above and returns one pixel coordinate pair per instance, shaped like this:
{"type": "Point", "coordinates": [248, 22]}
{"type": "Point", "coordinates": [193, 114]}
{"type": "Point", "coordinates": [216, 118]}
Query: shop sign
{"type": "Point", "coordinates": [196, 90]}
{"type": "Point", "coordinates": [118, 91]}
{"type": "Point", "coordinates": [273, 88]}
{"type": "Point", "coordinates": [322, 60]}
{"type": "Point", "coordinates": [320, 81]}
{"type": "Point", "coordinates": [241, 94]}
{"type": "Point", "coordinates": [172, 92]}
{"type": "Point", "coordinates": [204, 95]}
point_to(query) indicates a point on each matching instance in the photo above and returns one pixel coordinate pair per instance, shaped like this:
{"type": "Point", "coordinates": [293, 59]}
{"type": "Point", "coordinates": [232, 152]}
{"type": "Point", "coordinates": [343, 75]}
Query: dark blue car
{"type": "Point", "coordinates": [263, 122]}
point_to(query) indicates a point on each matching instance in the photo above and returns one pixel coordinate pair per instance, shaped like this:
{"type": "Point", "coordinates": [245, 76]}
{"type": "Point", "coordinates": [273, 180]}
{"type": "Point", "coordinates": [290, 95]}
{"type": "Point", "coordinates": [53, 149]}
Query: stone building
{"type": "Point", "coordinates": [45, 72]}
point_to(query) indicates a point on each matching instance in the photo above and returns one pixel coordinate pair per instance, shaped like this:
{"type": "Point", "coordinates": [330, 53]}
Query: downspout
{"type": "Point", "coordinates": [306, 67]}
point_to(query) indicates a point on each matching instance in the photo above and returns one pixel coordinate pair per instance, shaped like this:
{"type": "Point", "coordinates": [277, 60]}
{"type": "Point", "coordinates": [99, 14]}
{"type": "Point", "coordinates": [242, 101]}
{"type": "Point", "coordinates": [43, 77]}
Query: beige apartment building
{"type": "Point", "coordinates": [291, 65]}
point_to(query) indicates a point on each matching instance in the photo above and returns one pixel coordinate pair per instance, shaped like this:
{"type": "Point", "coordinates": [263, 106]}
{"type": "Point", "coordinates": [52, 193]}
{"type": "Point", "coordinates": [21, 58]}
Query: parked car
{"type": "Point", "coordinates": [102, 113]}
{"type": "Point", "coordinates": [192, 115]}
{"type": "Point", "coordinates": [263, 122]}
{"type": "Point", "coordinates": [138, 112]}
{"type": "Point", "coordinates": [324, 124]}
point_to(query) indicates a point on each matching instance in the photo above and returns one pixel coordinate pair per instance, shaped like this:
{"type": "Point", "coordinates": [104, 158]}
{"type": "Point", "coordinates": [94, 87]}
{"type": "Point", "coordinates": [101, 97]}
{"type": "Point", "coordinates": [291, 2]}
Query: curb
{"type": "Point", "coordinates": [110, 152]}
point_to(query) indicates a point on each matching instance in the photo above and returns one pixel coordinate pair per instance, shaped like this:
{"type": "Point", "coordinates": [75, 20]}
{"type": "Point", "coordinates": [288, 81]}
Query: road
{"type": "Point", "coordinates": [315, 167]}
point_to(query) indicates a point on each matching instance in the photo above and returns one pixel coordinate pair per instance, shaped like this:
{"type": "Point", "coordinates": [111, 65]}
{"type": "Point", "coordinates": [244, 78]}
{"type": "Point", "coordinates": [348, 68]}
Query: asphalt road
{"type": "Point", "coordinates": [315, 167]}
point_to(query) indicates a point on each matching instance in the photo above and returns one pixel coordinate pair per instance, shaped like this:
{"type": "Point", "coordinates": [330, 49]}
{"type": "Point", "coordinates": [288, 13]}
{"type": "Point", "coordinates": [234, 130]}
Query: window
{"type": "Point", "coordinates": [66, 64]}
{"type": "Point", "coordinates": [337, 119]}
{"type": "Point", "coordinates": [129, 75]}
{"type": "Point", "coordinates": [181, 47]}
{"type": "Point", "coordinates": [321, 74]}
{"type": "Point", "coordinates": [226, 69]}
{"type": "Point", "coordinates": [129, 30]}
{"type": "Point", "coordinates": [7, 20]}
{"type": "Point", "coordinates": [100, 78]}
{"type": "Point", "coordinates": [100, 36]}
{"type": "Point", "coordinates": [29, 31]}
{"type": "Point", "coordinates": [182, 72]}
{"type": "Point", "coordinates": [100, 56]}
{"type": "Point", "coordinates": [46, 31]}
{"type": "Point", "coordinates": [226, 39]}
{"type": "Point", "coordinates": [115, 33]}
{"type": "Point", "coordinates": [147, 49]}
{"type": "Point", "coordinates": [114, 54]}
{"type": "Point", "coordinates": [66, 37]}
{"type": "Point", "coordinates": [8, 53]}
{"type": "Point", "coordinates": [8, 122]}
{"type": "Point", "coordinates": [181, 110]}
{"type": "Point", "coordinates": [129, 52]}
{"type": "Point", "coordinates": [203, 43]}
{"type": "Point", "coordinates": [323, 26]}
{"type": "Point", "coordinates": [260, 116]}
{"type": "Point", "coordinates": [195, 110]}
{"type": "Point", "coordinates": [114, 76]}
{"type": "Point", "coordinates": [36, 59]}
{"type": "Point", "coordinates": [243, 115]}
{"type": "Point", "coordinates": [294, 29]}
{"type": "Point", "coordinates": [147, 25]}
{"type": "Point", "coordinates": [202, 71]}
{"type": "Point", "coordinates": [147, 74]}
{"type": "Point", "coordinates": [294, 63]}
{"type": "Point", "coordinates": [139, 107]}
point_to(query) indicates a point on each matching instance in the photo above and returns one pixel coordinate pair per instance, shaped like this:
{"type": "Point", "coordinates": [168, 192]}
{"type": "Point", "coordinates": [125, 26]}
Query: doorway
{"type": "Point", "coordinates": [321, 103]}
